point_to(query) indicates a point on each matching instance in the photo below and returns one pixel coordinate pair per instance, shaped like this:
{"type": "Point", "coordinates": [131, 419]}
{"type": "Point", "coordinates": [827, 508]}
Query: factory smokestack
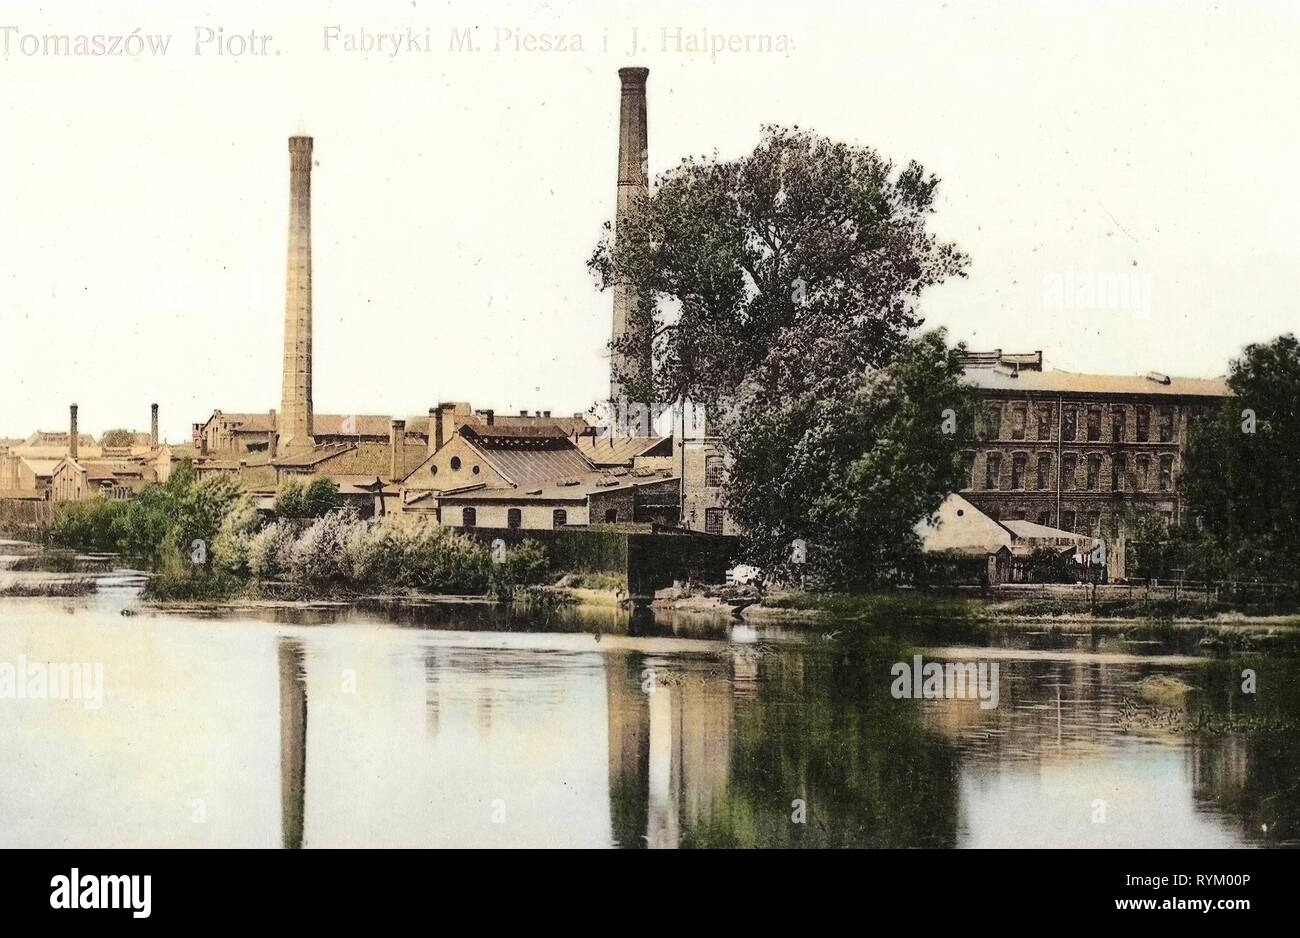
{"type": "Point", "coordinates": [396, 448]}
{"type": "Point", "coordinates": [73, 438]}
{"type": "Point", "coordinates": [153, 424]}
{"type": "Point", "coordinates": [633, 186]}
{"type": "Point", "coordinates": [295, 422]}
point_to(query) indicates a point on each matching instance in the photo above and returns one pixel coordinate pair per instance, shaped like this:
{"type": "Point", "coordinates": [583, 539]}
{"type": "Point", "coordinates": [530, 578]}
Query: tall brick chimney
{"type": "Point", "coordinates": [295, 419]}
{"type": "Point", "coordinates": [633, 186]}
{"type": "Point", "coordinates": [73, 438]}
{"type": "Point", "coordinates": [153, 424]}
{"type": "Point", "coordinates": [396, 448]}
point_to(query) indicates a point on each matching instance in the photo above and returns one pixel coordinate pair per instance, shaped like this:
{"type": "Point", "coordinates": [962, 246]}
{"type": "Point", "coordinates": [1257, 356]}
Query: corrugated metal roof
{"type": "Point", "coordinates": [617, 451]}
{"type": "Point", "coordinates": [1065, 382]}
{"type": "Point", "coordinates": [312, 456]}
{"type": "Point", "coordinates": [527, 462]}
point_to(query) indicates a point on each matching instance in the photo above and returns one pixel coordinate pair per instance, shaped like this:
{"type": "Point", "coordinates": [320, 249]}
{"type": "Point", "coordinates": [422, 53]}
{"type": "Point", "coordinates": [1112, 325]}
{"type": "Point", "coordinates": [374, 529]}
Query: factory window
{"type": "Point", "coordinates": [455, 464]}
{"type": "Point", "coordinates": [1143, 473]}
{"type": "Point", "coordinates": [992, 470]}
{"type": "Point", "coordinates": [1045, 518]}
{"type": "Point", "coordinates": [713, 467]}
{"type": "Point", "coordinates": [559, 518]}
{"type": "Point", "coordinates": [1044, 423]}
{"type": "Point", "coordinates": [1044, 472]}
{"type": "Point", "coordinates": [1067, 521]}
{"type": "Point", "coordinates": [433, 470]}
{"type": "Point", "coordinates": [1018, 422]}
{"type": "Point", "coordinates": [1018, 464]}
{"type": "Point", "coordinates": [1092, 523]}
{"type": "Point", "coordinates": [1166, 425]}
{"type": "Point", "coordinates": [1143, 424]}
{"type": "Point", "coordinates": [475, 470]}
{"type": "Point", "coordinates": [1069, 462]}
{"type": "Point", "coordinates": [968, 469]}
{"type": "Point", "coordinates": [611, 516]}
{"type": "Point", "coordinates": [1094, 473]}
{"type": "Point", "coordinates": [713, 521]}
{"type": "Point", "coordinates": [468, 517]}
{"type": "Point", "coordinates": [993, 422]}
{"type": "Point", "coordinates": [1166, 473]}
{"type": "Point", "coordinates": [1069, 423]}
{"type": "Point", "coordinates": [514, 518]}
{"type": "Point", "coordinates": [1117, 425]}
{"type": "Point", "coordinates": [1118, 469]}
{"type": "Point", "coordinates": [1094, 424]}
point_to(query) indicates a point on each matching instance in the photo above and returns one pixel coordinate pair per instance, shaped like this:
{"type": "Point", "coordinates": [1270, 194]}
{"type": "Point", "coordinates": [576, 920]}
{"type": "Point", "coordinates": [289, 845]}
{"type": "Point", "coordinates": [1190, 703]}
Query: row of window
{"type": "Point", "coordinates": [560, 518]}
{"type": "Point", "coordinates": [1138, 479]}
{"type": "Point", "coordinates": [1085, 522]}
{"type": "Point", "coordinates": [515, 517]}
{"type": "Point", "coordinates": [1017, 422]}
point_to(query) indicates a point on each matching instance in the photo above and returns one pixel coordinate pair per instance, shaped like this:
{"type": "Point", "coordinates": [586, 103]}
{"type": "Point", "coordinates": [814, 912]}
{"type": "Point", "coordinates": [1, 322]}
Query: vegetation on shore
{"type": "Point", "coordinates": [205, 540]}
{"type": "Point", "coordinates": [79, 586]}
{"type": "Point", "coordinates": [913, 606]}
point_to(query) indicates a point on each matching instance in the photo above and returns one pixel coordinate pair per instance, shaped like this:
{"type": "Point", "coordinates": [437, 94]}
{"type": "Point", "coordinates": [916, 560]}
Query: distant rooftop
{"type": "Point", "coordinates": [1003, 371]}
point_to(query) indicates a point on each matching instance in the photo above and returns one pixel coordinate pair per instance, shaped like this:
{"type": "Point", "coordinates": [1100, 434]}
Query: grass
{"type": "Point", "coordinates": [585, 580]}
{"type": "Point", "coordinates": [56, 588]}
{"type": "Point", "coordinates": [878, 605]}
{"type": "Point", "coordinates": [924, 605]}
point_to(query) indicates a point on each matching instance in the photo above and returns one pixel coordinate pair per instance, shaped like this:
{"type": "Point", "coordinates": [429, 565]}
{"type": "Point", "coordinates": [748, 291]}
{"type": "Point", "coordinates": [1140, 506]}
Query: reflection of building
{"type": "Point", "coordinates": [293, 741]}
{"type": "Point", "coordinates": [669, 748]}
{"type": "Point", "coordinates": [1078, 451]}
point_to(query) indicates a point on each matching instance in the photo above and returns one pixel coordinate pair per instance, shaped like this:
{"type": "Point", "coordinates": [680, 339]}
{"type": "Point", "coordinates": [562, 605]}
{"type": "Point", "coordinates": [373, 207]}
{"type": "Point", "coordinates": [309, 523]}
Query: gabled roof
{"type": "Point", "coordinates": [57, 438]}
{"type": "Point", "coordinates": [527, 461]}
{"type": "Point", "coordinates": [249, 423]}
{"type": "Point", "coordinates": [41, 467]}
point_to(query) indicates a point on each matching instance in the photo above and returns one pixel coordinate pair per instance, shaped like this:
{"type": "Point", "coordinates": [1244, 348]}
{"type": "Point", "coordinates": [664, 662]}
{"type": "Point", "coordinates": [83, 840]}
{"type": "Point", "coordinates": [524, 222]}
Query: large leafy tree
{"type": "Point", "coordinates": [1242, 474]}
{"type": "Point", "coordinates": [849, 467]}
{"type": "Point", "coordinates": [781, 292]}
{"type": "Point", "coordinates": [803, 237]}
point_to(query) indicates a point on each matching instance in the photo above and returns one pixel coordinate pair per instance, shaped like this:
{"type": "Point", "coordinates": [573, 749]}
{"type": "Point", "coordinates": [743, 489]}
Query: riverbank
{"type": "Point", "coordinates": [794, 607]}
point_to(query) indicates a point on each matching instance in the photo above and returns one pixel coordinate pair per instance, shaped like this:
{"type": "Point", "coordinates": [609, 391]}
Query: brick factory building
{"type": "Point", "coordinates": [1082, 452]}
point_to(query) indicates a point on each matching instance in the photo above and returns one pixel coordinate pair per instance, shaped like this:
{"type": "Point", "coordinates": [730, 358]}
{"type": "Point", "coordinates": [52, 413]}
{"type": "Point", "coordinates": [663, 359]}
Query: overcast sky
{"type": "Point", "coordinates": [457, 194]}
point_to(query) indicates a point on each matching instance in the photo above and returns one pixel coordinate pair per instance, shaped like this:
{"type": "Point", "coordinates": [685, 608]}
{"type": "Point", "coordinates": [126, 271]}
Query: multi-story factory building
{"type": "Point", "coordinates": [1086, 453]}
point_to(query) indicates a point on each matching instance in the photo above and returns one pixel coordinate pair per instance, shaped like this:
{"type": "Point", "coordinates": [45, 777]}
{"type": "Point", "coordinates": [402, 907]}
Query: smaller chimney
{"type": "Point", "coordinates": [153, 425]}
{"type": "Point", "coordinates": [443, 429]}
{"type": "Point", "coordinates": [73, 439]}
{"type": "Point", "coordinates": [491, 416]}
{"type": "Point", "coordinates": [396, 444]}
{"type": "Point", "coordinates": [433, 430]}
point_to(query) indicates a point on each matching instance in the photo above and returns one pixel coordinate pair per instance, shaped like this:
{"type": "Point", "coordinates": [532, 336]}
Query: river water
{"type": "Point", "coordinates": [461, 725]}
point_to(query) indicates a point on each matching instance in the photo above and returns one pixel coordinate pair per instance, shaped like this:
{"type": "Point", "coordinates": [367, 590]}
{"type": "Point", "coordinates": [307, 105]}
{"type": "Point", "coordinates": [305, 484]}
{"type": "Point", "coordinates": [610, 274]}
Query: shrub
{"type": "Point", "coordinates": [314, 499]}
{"type": "Point", "coordinates": [269, 551]}
{"type": "Point", "coordinates": [524, 565]}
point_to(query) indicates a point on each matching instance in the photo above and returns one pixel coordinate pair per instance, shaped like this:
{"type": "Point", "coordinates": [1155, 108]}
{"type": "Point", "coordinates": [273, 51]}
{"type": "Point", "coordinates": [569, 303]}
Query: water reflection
{"type": "Point", "coordinates": [455, 726]}
{"type": "Point", "coordinates": [293, 741]}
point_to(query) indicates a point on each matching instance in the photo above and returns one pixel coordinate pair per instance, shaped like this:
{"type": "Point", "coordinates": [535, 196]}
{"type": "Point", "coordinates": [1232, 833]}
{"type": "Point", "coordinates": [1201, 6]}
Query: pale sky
{"type": "Point", "coordinates": [457, 195]}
